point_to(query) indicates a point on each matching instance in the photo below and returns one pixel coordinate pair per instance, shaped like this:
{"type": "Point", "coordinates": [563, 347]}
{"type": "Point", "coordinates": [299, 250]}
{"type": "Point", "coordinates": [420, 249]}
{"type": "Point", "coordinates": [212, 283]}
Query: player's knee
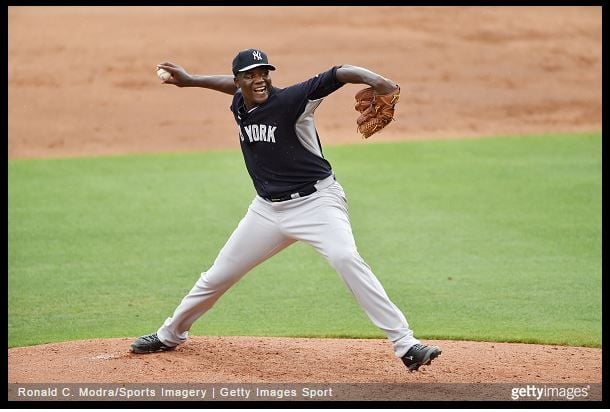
{"type": "Point", "coordinates": [214, 282]}
{"type": "Point", "coordinates": [342, 258]}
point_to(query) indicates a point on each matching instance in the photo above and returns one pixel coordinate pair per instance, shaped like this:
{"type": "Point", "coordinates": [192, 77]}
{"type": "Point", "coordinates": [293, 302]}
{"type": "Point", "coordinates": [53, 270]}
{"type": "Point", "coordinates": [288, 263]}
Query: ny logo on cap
{"type": "Point", "coordinates": [257, 55]}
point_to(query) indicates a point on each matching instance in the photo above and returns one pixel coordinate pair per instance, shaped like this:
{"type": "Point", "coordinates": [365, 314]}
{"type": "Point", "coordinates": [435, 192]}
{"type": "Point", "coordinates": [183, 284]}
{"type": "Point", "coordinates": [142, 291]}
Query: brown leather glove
{"type": "Point", "coordinates": [376, 110]}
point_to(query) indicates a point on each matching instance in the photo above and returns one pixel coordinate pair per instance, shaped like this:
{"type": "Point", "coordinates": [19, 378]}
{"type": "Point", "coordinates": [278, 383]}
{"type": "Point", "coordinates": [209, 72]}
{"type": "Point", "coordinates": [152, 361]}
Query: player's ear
{"type": "Point", "coordinates": [236, 82]}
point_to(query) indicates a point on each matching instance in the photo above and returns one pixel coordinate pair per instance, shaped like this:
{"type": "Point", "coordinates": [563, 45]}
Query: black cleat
{"type": "Point", "coordinates": [149, 344]}
{"type": "Point", "coordinates": [419, 355]}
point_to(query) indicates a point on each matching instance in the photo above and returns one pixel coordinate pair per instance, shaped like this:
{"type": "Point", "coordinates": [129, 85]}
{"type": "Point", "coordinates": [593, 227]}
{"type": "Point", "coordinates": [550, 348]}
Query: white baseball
{"type": "Point", "coordinates": [163, 74]}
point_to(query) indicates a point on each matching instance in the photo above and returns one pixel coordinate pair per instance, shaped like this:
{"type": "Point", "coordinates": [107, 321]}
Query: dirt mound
{"type": "Point", "coordinates": [289, 360]}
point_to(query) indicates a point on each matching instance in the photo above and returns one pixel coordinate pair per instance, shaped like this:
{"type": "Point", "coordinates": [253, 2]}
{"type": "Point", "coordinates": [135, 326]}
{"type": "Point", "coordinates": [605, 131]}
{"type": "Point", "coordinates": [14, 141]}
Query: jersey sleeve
{"type": "Point", "coordinates": [315, 88]}
{"type": "Point", "coordinates": [323, 84]}
{"type": "Point", "coordinates": [235, 104]}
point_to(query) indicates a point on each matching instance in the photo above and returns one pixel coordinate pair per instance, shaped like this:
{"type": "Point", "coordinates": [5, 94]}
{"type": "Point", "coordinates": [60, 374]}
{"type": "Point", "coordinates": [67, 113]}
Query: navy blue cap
{"type": "Point", "coordinates": [249, 59]}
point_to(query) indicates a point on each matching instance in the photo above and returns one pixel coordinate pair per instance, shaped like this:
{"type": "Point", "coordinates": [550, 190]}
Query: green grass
{"type": "Point", "coordinates": [493, 239]}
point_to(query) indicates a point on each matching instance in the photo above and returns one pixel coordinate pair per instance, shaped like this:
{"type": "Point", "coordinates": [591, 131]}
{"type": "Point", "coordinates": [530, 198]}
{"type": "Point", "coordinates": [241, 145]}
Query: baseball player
{"type": "Point", "coordinates": [298, 198]}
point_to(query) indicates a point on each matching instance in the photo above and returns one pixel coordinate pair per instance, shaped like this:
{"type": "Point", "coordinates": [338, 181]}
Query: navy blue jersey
{"type": "Point", "coordinates": [278, 138]}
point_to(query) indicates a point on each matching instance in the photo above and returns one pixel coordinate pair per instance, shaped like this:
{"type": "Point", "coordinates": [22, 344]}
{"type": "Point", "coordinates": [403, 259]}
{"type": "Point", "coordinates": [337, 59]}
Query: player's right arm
{"type": "Point", "coordinates": [181, 78]}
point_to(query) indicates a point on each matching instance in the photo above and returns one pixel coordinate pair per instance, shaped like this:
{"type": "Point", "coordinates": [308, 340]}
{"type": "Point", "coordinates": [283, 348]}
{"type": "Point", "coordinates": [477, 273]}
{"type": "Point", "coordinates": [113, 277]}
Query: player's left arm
{"type": "Point", "coordinates": [359, 75]}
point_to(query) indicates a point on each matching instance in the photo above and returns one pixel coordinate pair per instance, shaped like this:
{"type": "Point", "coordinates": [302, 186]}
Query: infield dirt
{"type": "Point", "coordinates": [82, 82]}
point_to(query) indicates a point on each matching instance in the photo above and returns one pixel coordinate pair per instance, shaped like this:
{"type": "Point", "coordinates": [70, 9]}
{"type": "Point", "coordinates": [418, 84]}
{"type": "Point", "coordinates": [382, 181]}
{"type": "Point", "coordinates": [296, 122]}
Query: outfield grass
{"type": "Point", "coordinates": [492, 239]}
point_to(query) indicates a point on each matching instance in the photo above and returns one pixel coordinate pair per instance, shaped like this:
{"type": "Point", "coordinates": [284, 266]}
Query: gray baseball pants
{"type": "Point", "coordinates": [321, 220]}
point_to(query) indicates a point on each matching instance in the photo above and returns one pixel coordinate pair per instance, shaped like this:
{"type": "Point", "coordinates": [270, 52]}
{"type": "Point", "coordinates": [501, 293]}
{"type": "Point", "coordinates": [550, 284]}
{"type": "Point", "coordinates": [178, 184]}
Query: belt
{"type": "Point", "coordinates": [301, 193]}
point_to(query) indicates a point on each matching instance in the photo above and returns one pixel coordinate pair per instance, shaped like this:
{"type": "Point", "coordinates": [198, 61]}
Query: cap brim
{"type": "Point", "coordinates": [252, 66]}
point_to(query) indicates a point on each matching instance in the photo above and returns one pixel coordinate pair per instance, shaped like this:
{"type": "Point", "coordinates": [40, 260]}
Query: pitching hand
{"type": "Point", "coordinates": [180, 77]}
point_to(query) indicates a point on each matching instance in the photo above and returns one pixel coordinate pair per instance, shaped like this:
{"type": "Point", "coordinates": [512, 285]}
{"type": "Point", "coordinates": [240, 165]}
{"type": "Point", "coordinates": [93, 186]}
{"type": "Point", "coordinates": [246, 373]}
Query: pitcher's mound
{"type": "Point", "coordinates": [299, 360]}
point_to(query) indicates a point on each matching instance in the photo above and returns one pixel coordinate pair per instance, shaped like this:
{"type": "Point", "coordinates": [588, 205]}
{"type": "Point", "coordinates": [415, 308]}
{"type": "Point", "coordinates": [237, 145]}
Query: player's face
{"type": "Point", "coordinates": [255, 85]}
